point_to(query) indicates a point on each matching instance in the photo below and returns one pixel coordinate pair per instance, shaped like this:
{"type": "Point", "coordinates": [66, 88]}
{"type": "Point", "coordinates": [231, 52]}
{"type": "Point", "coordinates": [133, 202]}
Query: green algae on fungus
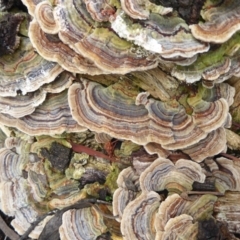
{"type": "Point", "coordinates": [113, 54]}
{"type": "Point", "coordinates": [111, 179]}
{"type": "Point", "coordinates": [168, 36]}
{"type": "Point", "coordinates": [51, 48]}
{"type": "Point", "coordinates": [141, 9]}
{"type": "Point", "coordinates": [211, 65]}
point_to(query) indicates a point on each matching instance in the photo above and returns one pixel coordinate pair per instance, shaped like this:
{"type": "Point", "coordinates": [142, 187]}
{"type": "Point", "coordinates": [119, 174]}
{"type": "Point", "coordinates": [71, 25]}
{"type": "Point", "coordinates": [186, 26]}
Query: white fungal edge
{"type": "Point", "coordinates": [138, 36]}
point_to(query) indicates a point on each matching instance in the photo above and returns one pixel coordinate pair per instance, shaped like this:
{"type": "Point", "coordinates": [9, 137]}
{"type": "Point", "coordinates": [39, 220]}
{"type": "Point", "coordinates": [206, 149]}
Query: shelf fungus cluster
{"type": "Point", "coordinates": [124, 114]}
{"type": "Point", "coordinates": [162, 202]}
{"type": "Point", "coordinates": [116, 117]}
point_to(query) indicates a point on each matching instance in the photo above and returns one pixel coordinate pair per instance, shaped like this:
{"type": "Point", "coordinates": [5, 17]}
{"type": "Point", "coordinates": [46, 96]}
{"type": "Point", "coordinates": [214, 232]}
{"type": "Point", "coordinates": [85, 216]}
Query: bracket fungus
{"type": "Point", "coordinates": [170, 37]}
{"type": "Point", "coordinates": [102, 10]}
{"type": "Point", "coordinates": [25, 70]}
{"type": "Point", "coordinates": [174, 205]}
{"type": "Point", "coordinates": [128, 189]}
{"type": "Point", "coordinates": [53, 49]}
{"type": "Point", "coordinates": [44, 16]}
{"type": "Point", "coordinates": [222, 21]}
{"type": "Point", "coordinates": [214, 66]}
{"type": "Point", "coordinates": [138, 217]}
{"type": "Point", "coordinates": [22, 105]}
{"type": "Point", "coordinates": [141, 9]}
{"type": "Point", "coordinates": [125, 71]}
{"type": "Point", "coordinates": [163, 174]}
{"type": "Point", "coordinates": [226, 172]}
{"type": "Point", "coordinates": [115, 112]}
{"type": "Point", "coordinates": [89, 224]}
{"type": "Point", "coordinates": [52, 117]}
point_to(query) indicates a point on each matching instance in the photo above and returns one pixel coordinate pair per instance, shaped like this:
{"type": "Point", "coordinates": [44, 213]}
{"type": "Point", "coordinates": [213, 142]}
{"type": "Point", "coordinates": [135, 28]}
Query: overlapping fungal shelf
{"type": "Point", "coordinates": [152, 87]}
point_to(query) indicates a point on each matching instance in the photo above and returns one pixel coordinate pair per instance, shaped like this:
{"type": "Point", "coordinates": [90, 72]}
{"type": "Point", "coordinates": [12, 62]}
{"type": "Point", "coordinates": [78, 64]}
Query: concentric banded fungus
{"type": "Point", "coordinates": [154, 148]}
{"type": "Point", "coordinates": [62, 82]}
{"type": "Point", "coordinates": [180, 227]}
{"type": "Point", "coordinates": [13, 196]}
{"type": "Point", "coordinates": [170, 37]}
{"type": "Point", "coordinates": [222, 21]}
{"type": "Point", "coordinates": [222, 90]}
{"type": "Point", "coordinates": [113, 54]}
{"type": "Point", "coordinates": [139, 215]}
{"type": "Point", "coordinates": [174, 205]}
{"type": "Point", "coordinates": [82, 224]}
{"type": "Point", "coordinates": [227, 174]}
{"type": "Point", "coordinates": [213, 144]}
{"type": "Point", "coordinates": [11, 165]}
{"type": "Point", "coordinates": [159, 122]}
{"type": "Point", "coordinates": [52, 117]}
{"type": "Point", "coordinates": [148, 109]}
{"type": "Point", "coordinates": [74, 20]}
{"type": "Point", "coordinates": [214, 66]}
{"type": "Point", "coordinates": [227, 209]}
{"type": "Point", "coordinates": [141, 9]}
{"type": "Point", "coordinates": [128, 188]}
{"type": "Point", "coordinates": [103, 47]}
{"type": "Point", "coordinates": [31, 5]}
{"type": "Point", "coordinates": [45, 18]}
{"type": "Point", "coordinates": [37, 181]}
{"type": "Point", "coordinates": [23, 221]}
{"type": "Point", "coordinates": [22, 105]}
{"type": "Point", "coordinates": [163, 174]}
{"type": "Point", "coordinates": [50, 47]}
{"type": "Point", "coordinates": [25, 70]}
{"type": "Point", "coordinates": [209, 115]}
